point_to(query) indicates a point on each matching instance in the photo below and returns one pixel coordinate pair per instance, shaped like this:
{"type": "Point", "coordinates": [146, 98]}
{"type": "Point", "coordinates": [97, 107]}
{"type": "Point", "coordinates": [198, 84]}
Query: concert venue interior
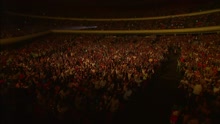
{"type": "Point", "coordinates": [113, 61]}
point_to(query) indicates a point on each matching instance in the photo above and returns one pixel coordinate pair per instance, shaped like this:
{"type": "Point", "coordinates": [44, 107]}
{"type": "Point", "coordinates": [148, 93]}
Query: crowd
{"type": "Point", "coordinates": [169, 23]}
{"type": "Point", "coordinates": [78, 75]}
{"type": "Point", "coordinates": [83, 73]}
{"type": "Point", "coordinates": [199, 63]}
{"type": "Point", "coordinates": [13, 26]}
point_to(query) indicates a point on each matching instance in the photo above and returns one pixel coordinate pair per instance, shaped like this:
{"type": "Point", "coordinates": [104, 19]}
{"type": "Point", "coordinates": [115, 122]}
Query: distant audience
{"type": "Point", "coordinates": [13, 26]}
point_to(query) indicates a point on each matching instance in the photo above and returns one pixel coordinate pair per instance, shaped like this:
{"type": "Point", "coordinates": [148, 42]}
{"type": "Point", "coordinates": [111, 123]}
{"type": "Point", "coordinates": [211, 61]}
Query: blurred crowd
{"type": "Point", "coordinates": [84, 73]}
{"type": "Point", "coordinates": [94, 76]}
{"type": "Point", "coordinates": [199, 63]}
{"type": "Point", "coordinates": [13, 26]}
{"type": "Point", "coordinates": [75, 75]}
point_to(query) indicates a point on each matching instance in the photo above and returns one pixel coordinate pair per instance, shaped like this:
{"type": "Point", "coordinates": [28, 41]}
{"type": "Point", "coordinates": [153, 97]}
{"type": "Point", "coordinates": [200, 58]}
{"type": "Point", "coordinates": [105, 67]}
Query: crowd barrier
{"type": "Point", "coordinates": [211, 29]}
{"type": "Point", "coordinates": [115, 19]}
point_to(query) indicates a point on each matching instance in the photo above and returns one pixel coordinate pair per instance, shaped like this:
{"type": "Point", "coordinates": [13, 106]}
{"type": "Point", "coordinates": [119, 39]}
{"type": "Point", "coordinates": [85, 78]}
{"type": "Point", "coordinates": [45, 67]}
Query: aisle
{"type": "Point", "coordinates": [154, 105]}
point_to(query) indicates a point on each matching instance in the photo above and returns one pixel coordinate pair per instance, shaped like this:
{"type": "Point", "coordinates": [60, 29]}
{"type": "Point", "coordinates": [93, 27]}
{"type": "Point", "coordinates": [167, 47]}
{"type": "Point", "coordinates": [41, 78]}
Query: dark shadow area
{"type": "Point", "coordinates": [155, 103]}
